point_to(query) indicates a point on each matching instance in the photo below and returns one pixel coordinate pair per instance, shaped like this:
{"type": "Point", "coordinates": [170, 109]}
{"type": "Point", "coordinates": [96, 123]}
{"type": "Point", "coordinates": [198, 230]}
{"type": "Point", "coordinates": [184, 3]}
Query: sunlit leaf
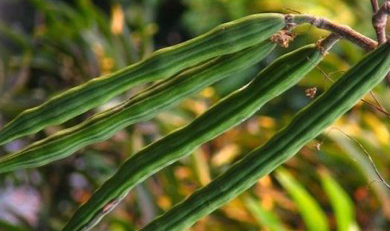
{"type": "Point", "coordinates": [340, 201]}
{"type": "Point", "coordinates": [266, 219]}
{"type": "Point", "coordinates": [312, 214]}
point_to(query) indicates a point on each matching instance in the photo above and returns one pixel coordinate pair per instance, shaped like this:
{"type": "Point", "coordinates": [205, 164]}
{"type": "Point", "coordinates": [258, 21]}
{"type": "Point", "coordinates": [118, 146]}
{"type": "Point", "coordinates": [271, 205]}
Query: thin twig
{"type": "Point", "coordinates": [369, 157]}
{"type": "Point", "coordinates": [376, 107]}
{"type": "Point", "coordinates": [379, 106]}
{"type": "Point", "coordinates": [292, 10]}
{"type": "Point", "coordinates": [325, 74]}
{"type": "Point", "coordinates": [376, 100]}
{"type": "Point", "coordinates": [344, 31]}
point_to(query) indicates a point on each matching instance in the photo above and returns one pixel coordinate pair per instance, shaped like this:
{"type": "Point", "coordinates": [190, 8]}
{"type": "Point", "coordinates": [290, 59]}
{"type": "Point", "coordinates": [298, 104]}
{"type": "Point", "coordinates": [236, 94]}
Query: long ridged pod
{"type": "Point", "coordinates": [230, 111]}
{"type": "Point", "coordinates": [141, 107]}
{"type": "Point", "coordinates": [224, 39]}
{"type": "Point", "coordinates": [305, 126]}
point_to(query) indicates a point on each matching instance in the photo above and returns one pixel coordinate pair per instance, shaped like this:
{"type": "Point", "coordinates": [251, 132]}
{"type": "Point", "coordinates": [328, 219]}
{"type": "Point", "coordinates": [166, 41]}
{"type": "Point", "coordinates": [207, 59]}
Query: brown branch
{"type": "Point", "coordinates": [375, 6]}
{"type": "Point", "coordinates": [344, 31]}
{"type": "Point", "coordinates": [328, 42]}
{"type": "Point", "coordinates": [379, 22]}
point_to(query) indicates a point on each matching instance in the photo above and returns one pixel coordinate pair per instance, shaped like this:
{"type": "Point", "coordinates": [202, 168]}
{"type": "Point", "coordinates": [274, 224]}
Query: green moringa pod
{"type": "Point", "coordinates": [141, 107]}
{"type": "Point", "coordinates": [305, 126]}
{"type": "Point", "coordinates": [224, 39]}
{"type": "Point", "coordinates": [230, 111]}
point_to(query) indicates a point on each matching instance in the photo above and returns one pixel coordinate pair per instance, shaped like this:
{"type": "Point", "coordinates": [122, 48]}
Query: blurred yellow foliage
{"type": "Point", "coordinates": [225, 155]}
{"type": "Point", "coordinates": [378, 127]}
{"type": "Point", "coordinates": [208, 92]}
{"type": "Point", "coordinates": [117, 20]}
{"type": "Point", "coordinates": [266, 122]}
{"type": "Point", "coordinates": [236, 210]}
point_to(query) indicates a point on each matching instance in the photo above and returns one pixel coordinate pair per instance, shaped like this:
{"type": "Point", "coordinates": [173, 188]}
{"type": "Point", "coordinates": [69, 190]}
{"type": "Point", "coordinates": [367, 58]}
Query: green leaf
{"type": "Point", "coordinates": [340, 201]}
{"type": "Point", "coordinates": [265, 218]}
{"type": "Point", "coordinates": [311, 212]}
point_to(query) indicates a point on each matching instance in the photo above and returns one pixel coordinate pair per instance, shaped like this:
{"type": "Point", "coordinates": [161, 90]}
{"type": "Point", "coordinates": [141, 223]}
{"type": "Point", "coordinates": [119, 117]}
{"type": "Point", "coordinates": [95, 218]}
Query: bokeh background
{"type": "Point", "coordinates": [48, 46]}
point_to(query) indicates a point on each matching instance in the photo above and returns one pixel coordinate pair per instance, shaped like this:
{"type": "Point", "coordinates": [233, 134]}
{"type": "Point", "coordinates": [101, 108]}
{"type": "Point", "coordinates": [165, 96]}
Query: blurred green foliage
{"type": "Point", "coordinates": [60, 44]}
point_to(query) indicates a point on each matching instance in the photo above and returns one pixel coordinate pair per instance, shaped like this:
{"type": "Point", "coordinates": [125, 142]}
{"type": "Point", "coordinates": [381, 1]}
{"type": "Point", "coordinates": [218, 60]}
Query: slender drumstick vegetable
{"type": "Point", "coordinates": [305, 126]}
{"type": "Point", "coordinates": [224, 39]}
{"type": "Point", "coordinates": [141, 107]}
{"type": "Point", "coordinates": [232, 110]}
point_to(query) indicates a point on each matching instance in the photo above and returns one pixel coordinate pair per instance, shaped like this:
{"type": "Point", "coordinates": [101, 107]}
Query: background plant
{"type": "Point", "coordinates": [67, 46]}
